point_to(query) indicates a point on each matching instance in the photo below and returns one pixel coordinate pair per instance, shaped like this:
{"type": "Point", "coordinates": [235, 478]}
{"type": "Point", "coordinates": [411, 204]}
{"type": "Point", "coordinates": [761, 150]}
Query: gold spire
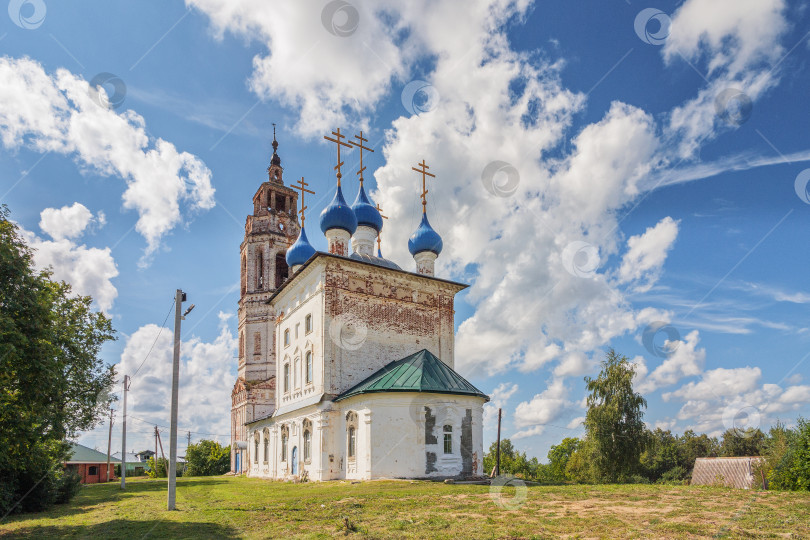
{"type": "Point", "coordinates": [339, 143]}
{"type": "Point", "coordinates": [379, 209]}
{"type": "Point", "coordinates": [302, 187]}
{"type": "Point", "coordinates": [424, 172]}
{"type": "Point", "coordinates": [361, 147]}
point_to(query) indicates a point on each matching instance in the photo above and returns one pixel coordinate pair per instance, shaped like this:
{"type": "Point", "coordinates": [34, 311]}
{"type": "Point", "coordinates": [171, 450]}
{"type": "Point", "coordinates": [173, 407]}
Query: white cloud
{"type": "Point", "coordinates": [88, 270]}
{"type": "Point", "coordinates": [686, 360]}
{"type": "Point", "coordinates": [720, 382]}
{"type": "Point", "coordinates": [60, 113]}
{"type": "Point", "coordinates": [738, 42]}
{"type": "Point", "coordinates": [574, 364]}
{"type": "Point", "coordinates": [647, 253]}
{"type": "Point", "coordinates": [544, 408]}
{"type": "Point", "coordinates": [205, 379]}
{"type": "Point", "coordinates": [497, 400]}
{"type": "Point", "coordinates": [65, 222]}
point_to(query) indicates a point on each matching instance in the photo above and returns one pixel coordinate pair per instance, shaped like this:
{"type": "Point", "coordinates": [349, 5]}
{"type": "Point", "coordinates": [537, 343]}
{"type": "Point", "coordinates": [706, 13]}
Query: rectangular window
{"type": "Point", "coordinates": [92, 471]}
{"type": "Point", "coordinates": [287, 337]}
{"type": "Point", "coordinates": [286, 377]}
{"type": "Point", "coordinates": [308, 324]}
{"type": "Point", "coordinates": [309, 367]}
{"type": "Point", "coordinates": [297, 326]}
{"type": "Point", "coordinates": [448, 439]}
{"type": "Point", "coordinates": [296, 372]}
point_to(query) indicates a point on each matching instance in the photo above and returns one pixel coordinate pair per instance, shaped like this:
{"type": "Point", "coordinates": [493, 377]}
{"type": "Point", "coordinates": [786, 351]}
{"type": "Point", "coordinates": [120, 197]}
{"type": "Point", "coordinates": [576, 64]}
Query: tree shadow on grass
{"type": "Point", "coordinates": [128, 529]}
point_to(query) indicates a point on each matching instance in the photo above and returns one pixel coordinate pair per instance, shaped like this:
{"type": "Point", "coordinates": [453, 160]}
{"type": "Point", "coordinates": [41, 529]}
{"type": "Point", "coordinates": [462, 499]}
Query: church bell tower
{"type": "Point", "coordinates": [269, 231]}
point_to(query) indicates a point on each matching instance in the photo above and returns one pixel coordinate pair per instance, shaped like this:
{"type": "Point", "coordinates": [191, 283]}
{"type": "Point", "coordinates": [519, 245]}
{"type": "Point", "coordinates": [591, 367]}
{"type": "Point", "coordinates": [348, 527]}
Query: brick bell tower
{"type": "Point", "coordinates": [269, 232]}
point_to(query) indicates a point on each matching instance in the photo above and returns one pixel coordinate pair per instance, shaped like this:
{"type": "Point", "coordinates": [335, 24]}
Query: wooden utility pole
{"type": "Point", "coordinates": [498, 447]}
{"type": "Point", "coordinates": [156, 439]}
{"type": "Point", "coordinates": [109, 443]}
{"type": "Point", "coordinates": [161, 444]}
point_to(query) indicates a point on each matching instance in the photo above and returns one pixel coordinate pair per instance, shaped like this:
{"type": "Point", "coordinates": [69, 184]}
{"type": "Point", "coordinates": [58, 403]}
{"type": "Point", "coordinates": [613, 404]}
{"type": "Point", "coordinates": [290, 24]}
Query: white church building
{"type": "Point", "coordinates": [345, 359]}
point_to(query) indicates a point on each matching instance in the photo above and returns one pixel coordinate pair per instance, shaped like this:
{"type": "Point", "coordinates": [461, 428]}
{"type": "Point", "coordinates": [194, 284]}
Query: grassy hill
{"type": "Point", "coordinates": [215, 507]}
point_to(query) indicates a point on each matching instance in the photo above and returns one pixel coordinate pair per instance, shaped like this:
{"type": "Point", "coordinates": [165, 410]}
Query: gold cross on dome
{"type": "Point", "coordinates": [425, 174]}
{"type": "Point", "coordinates": [302, 187]}
{"type": "Point", "coordinates": [339, 143]}
{"type": "Point", "coordinates": [379, 241]}
{"type": "Point", "coordinates": [361, 147]}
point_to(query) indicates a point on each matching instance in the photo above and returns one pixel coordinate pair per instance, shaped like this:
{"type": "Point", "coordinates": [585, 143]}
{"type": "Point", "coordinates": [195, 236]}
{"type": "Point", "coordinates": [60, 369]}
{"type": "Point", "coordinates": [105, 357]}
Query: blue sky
{"type": "Point", "coordinates": [684, 219]}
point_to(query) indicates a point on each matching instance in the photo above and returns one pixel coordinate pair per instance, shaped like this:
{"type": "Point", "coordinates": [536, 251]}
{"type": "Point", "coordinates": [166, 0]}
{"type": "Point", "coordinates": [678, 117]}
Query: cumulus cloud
{"type": "Point", "coordinates": [497, 400]}
{"type": "Point", "coordinates": [68, 221]}
{"type": "Point", "coordinates": [205, 378]}
{"type": "Point", "coordinates": [738, 43]}
{"type": "Point", "coordinates": [60, 113]}
{"type": "Point", "coordinates": [643, 261]}
{"type": "Point", "coordinates": [88, 270]}
{"type": "Point", "coordinates": [685, 360]}
{"type": "Point", "coordinates": [543, 409]}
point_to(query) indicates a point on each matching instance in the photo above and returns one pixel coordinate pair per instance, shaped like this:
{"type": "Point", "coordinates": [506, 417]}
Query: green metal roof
{"type": "Point", "coordinates": [419, 372]}
{"type": "Point", "coordinates": [82, 454]}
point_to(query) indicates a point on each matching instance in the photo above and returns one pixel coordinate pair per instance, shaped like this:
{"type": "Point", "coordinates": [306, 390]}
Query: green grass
{"type": "Point", "coordinates": [218, 507]}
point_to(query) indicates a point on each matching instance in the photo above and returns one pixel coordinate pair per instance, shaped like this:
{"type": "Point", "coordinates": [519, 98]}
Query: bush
{"type": "Point", "coordinates": [208, 458]}
{"type": "Point", "coordinates": [68, 484]}
{"type": "Point", "coordinates": [158, 469]}
{"type": "Point", "coordinates": [676, 475]}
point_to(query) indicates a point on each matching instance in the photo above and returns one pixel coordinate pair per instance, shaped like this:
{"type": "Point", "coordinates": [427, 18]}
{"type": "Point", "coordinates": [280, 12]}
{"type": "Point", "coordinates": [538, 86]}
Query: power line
{"type": "Point", "coordinates": [179, 428]}
{"type": "Point", "coordinates": [156, 338]}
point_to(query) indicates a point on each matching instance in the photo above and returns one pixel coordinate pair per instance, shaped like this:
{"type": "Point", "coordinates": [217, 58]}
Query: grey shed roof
{"type": "Point", "coordinates": [737, 472]}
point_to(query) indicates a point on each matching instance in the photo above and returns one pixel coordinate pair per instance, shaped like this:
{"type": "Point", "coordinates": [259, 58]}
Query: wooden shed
{"type": "Point", "coordinates": [736, 472]}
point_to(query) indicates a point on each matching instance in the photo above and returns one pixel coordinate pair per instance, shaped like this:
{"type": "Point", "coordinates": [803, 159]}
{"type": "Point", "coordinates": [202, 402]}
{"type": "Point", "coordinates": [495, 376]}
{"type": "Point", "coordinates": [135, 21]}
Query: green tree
{"type": "Point", "coordinates": [613, 422]}
{"type": "Point", "coordinates": [739, 443]}
{"type": "Point", "coordinates": [692, 446]}
{"type": "Point", "coordinates": [792, 469]}
{"type": "Point", "coordinates": [208, 458]}
{"type": "Point", "coordinates": [661, 455]}
{"type": "Point", "coordinates": [558, 457]}
{"type": "Point", "coordinates": [52, 383]}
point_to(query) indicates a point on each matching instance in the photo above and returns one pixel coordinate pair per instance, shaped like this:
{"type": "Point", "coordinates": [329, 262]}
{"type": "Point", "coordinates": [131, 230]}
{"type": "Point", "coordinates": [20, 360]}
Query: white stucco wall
{"type": "Point", "coordinates": [391, 438]}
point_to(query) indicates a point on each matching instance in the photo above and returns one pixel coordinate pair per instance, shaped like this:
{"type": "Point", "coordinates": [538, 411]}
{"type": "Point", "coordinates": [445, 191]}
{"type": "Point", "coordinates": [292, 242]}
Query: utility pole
{"type": "Point", "coordinates": [109, 443]}
{"type": "Point", "coordinates": [498, 448]}
{"type": "Point", "coordinates": [156, 458]}
{"type": "Point", "coordinates": [179, 298]}
{"type": "Point", "coordinates": [185, 467]}
{"type": "Point", "coordinates": [124, 437]}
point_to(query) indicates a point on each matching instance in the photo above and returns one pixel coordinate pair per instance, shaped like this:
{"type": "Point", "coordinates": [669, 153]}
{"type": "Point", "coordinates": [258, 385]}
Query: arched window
{"type": "Point", "coordinates": [307, 441]}
{"type": "Point", "coordinates": [266, 435]}
{"type": "Point", "coordinates": [309, 367]}
{"type": "Point", "coordinates": [448, 439]}
{"type": "Point", "coordinates": [256, 445]}
{"type": "Point", "coordinates": [284, 437]}
{"type": "Point", "coordinates": [351, 434]}
{"type": "Point", "coordinates": [286, 377]}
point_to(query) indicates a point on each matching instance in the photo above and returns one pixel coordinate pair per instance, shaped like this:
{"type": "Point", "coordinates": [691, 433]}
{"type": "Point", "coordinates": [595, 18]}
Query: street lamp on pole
{"type": "Point", "coordinates": [180, 297]}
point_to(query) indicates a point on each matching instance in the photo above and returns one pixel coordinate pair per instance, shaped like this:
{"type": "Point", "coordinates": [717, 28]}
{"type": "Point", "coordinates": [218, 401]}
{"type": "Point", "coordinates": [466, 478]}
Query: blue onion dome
{"type": "Point", "coordinates": [366, 213]}
{"type": "Point", "coordinates": [301, 251]}
{"type": "Point", "coordinates": [424, 238]}
{"type": "Point", "coordinates": [338, 215]}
